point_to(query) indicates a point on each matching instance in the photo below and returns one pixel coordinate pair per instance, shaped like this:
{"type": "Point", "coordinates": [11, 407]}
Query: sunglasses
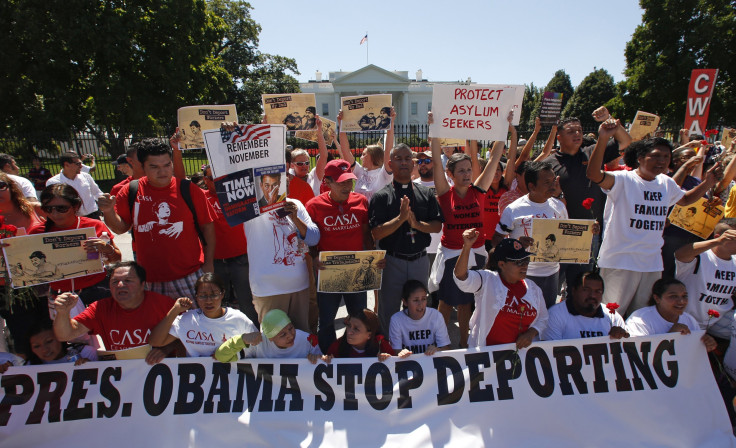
{"type": "Point", "coordinates": [58, 208]}
{"type": "Point", "coordinates": [301, 163]}
{"type": "Point", "coordinates": [4, 186]}
{"type": "Point", "coordinates": [424, 161]}
{"type": "Point", "coordinates": [206, 297]}
{"type": "Point", "coordinates": [520, 263]}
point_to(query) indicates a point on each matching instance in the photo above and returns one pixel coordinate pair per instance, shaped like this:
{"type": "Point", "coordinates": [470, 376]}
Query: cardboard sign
{"type": "Point", "coordinates": [249, 169]}
{"type": "Point", "coordinates": [329, 131]}
{"type": "Point", "coordinates": [699, 218]}
{"type": "Point", "coordinates": [562, 240]}
{"type": "Point", "coordinates": [699, 93]}
{"type": "Point", "coordinates": [49, 257]}
{"type": "Point", "coordinates": [366, 113]}
{"type": "Point", "coordinates": [474, 112]}
{"type": "Point", "coordinates": [644, 124]}
{"type": "Point", "coordinates": [551, 108]}
{"type": "Point", "coordinates": [518, 102]}
{"type": "Point", "coordinates": [296, 111]}
{"type": "Point", "coordinates": [728, 136]}
{"type": "Point", "coordinates": [350, 271]}
{"type": "Point", "coordinates": [194, 120]}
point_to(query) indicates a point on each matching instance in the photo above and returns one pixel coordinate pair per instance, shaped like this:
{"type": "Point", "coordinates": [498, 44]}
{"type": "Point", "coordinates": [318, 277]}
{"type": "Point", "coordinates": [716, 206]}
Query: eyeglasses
{"type": "Point", "coordinates": [206, 297]}
{"type": "Point", "coordinates": [58, 208]}
{"type": "Point", "coordinates": [301, 163]}
{"type": "Point", "coordinates": [520, 263]}
{"type": "Point", "coordinates": [424, 161]}
{"type": "Point", "coordinates": [4, 186]}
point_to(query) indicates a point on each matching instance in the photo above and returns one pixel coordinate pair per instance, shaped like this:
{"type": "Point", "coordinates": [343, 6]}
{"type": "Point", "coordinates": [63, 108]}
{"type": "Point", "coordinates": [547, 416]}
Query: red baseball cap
{"type": "Point", "coordinates": [339, 170]}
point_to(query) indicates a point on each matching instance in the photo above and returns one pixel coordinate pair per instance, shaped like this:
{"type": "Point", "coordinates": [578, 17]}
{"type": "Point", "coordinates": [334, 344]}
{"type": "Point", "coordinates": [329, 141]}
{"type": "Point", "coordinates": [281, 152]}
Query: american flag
{"type": "Point", "coordinates": [253, 132]}
{"type": "Point", "coordinates": [364, 39]}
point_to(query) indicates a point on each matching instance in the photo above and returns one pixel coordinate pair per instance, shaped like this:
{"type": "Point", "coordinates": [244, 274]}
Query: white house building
{"type": "Point", "coordinates": [412, 97]}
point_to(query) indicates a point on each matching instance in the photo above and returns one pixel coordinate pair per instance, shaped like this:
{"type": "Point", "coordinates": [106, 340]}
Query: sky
{"type": "Point", "coordinates": [489, 41]}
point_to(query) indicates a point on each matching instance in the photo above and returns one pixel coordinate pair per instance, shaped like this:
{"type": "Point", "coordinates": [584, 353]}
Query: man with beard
{"type": "Point", "coordinates": [582, 315]}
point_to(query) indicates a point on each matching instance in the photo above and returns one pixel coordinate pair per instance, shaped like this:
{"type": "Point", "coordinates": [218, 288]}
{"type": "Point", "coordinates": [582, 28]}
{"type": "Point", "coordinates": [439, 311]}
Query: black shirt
{"type": "Point", "coordinates": [386, 205]}
{"type": "Point", "coordinates": [575, 184]}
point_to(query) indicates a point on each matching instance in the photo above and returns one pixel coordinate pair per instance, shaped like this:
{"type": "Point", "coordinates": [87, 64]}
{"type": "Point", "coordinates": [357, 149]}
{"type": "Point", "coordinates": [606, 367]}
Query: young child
{"type": "Point", "coordinates": [363, 339]}
{"type": "Point", "coordinates": [46, 349]}
{"type": "Point", "coordinates": [418, 328]}
{"type": "Point", "coordinates": [278, 339]}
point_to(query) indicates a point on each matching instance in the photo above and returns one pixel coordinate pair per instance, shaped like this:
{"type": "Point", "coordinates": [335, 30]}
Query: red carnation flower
{"type": "Point", "coordinates": [588, 203]}
{"type": "Point", "coordinates": [704, 142]}
{"type": "Point", "coordinates": [714, 313]}
{"type": "Point", "coordinates": [612, 307]}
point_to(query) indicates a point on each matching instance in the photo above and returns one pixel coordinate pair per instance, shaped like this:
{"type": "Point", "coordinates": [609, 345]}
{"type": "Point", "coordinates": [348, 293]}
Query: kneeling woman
{"type": "Point", "coordinates": [202, 330]}
{"type": "Point", "coordinates": [363, 339]}
{"type": "Point", "coordinates": [507, 307]}
{"type": "Point", "coordinates": [666, 313]}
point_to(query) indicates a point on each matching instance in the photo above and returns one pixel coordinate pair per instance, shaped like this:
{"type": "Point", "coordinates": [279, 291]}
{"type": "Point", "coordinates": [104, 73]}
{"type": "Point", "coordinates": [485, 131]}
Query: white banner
{"type": "Point", "coordinates": [650, 391]}
{"type": "Point", "coordinates": [473, 112]}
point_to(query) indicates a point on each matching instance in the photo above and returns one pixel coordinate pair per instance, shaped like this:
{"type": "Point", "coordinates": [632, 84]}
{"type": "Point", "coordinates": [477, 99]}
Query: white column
{"type": "Point", "coordinates": [404, 118]}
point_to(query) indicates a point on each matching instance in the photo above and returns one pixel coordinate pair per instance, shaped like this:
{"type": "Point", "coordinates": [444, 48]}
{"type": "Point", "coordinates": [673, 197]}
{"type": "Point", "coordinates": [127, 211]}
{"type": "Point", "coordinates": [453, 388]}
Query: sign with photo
{"type": "Point", "coordinates": [728, 135]}
{"type": "Point", "coordinates": [644, 125]}
{"type": "Point", "coordinates": [699, 218]}
{"type": "Point", "coordinates": [562, 240]}
{"type": "Point", "coordinates": [296, 111]}
{"type": "Point", "coordinates": [194, 120]}
{"type": "Point", "coordinates": [249, 169]}
{"type": "Point", "coordinates": [350, 271]}
{"type": "Point", "coordinates": [49, 257]}
{"type": "Point", "coordinates": [366, 113]}
{"type": "Point", "coordinates": [329, 131]}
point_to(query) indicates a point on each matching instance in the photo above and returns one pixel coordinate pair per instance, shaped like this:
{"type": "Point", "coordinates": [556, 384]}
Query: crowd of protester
{"type": "Point", "coordinates": [455, 225]}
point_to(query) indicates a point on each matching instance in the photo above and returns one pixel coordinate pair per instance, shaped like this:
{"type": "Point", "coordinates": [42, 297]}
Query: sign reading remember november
{"type": "Point", "coordinates": [238, 160]}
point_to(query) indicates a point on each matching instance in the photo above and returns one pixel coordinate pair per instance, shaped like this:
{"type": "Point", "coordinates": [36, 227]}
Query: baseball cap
{"type": "Point", "coordinates": [273, 322]}
{"type": "Point", "coordinates": [121, 159]}
{"type": "Point", "coordinates": [510, 249]}
{"type": "Point", "coordinates": [339, 170]}
{"type": "Point", "coordinates": [425, 153]}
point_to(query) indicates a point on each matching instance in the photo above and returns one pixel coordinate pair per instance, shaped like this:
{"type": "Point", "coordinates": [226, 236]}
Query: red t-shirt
{"type": "Point", "coordinates": [383, 347]}
{"type": "Point", "coordinates": [514, 318]}
{"type": "Point", "coordinates": [230, 241]}
{"type": "Point", "coordinates": [87, 280]}
{"type": "Point", "coordinates": [461, 214]}
{"type": "Point", "coordinates": [491, 216]}
{"type": "Point", "coordinates": [341, 225]}
{"type": "Point", "coordinates": [119, 186]}
{"type": "Point", "coordinates": [167, 244]}
{"type": "Point", "coordinates": [120, 328]}
{"type": "Point", "coordinates": [300, 190]}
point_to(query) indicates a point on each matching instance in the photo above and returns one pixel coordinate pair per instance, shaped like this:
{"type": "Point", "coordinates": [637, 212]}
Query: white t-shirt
{"type": "Point", "coordinates": [635, 213]}
{"type": "Point", "coordinates": [517, 219]}
{"type": "Point", "coordinates": [416, 335]}
{"type": "Point", "coordinates": [302, 347]}
{"type": "Point", "coordinates": [369, 182]}
{"type": "Point", "coordinates": [201, 335]}
{"type": "Point", "coordinates": [647, 320]}
{"type": "Point", "coordinates": [85, 186]}
{"type": "Point", "coordinates": [277, 254]}
{"type": "Point", "coordinates": [436, 237]}
{"type": "Point", "coordinates": [729, 359]}
{"type": "Point", "coordinates": [564, 323]}
{"type": "Point", "coordinates": [710, 289]}
{"type": "Point", "coordinates": [26, 186]}
{"type": "Point", "coordinates": [314, 181]}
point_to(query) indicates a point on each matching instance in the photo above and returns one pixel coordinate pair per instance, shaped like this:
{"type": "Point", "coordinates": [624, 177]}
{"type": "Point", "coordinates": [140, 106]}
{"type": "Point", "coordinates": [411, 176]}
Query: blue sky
{"type": "Point", "coordinates": [490, 41]}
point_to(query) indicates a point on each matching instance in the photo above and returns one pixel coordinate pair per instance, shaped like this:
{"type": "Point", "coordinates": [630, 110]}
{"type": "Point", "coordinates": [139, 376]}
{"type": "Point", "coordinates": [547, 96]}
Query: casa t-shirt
{"type": "Point", "coordinates": [517, 220]}
{"type": "Point", "coordinates": [84, 281]}
{"type": "Point", "coordinates": [514, 317]}
{"type": "Point", "coordinates": [167, 244]}
{"type": "Point", "coordinates": [566, 323]}
{"type": "Point", "coordinates": [341, 225]}
{"type": "Point", "coordinates": [120, 328]}
{"type": "Point", "coordinates": [416, 335]}
{"type": "Point", "coordinates": [201, 335]}
{"type": "Point", "coordinates": [710, 288]}
{"type": "Point", "coordinates": [647, 320]}
{"type": "Point", "coordinates": [461, 214]}
{"type": "Point", "coordinates": [230, 241]}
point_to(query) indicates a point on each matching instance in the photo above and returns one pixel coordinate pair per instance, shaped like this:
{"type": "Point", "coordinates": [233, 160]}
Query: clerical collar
{"type": "Point", "coordinates": [399, 185]}
{"type": "Point", "coordinates": [571, 309]}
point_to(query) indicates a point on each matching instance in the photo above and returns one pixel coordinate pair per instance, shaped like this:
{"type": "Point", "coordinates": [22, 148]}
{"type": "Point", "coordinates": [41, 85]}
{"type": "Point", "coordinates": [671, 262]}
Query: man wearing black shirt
{"type": "Point", "coordinates": [401, 216]}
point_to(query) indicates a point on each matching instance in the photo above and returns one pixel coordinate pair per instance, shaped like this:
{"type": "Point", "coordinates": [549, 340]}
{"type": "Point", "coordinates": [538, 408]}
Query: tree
{"type": "Point", "coordinates": [532, 96]}
{"type": "Point", "coordinates": [594, 91]}
{"type": "Point", "coordinates": [675, 37]}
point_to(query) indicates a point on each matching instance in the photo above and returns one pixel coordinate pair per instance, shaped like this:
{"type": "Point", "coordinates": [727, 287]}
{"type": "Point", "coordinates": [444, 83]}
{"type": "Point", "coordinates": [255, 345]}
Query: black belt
{"type": "Point", "coordinates": [408, 257]}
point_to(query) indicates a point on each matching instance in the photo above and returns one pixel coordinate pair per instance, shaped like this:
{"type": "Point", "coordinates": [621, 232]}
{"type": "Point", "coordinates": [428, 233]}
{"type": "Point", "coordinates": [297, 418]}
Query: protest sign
{"type": "Point", "coordinates": [329, 131]}
{"type": "Point", "coordinates": [474, 112]}
{"type": "Point", "coordinates": [551, 108]}
{"type": "Point", "coordinates": [249, 169]}
{"type": "Point", "coordinates": [728, 135]}
{"type": "Point", "coordinates": [296, 111]}
{"type": "Point", "coordinates": [562, 240]}
{"type": "Point", "coordinates": [48, 257]}
{"type": "Point", "coordinates": [366, 113]}
{"type": "Point", "coordinates": [518, 101]}
{"type": "Point", "coordinates": [194, 120]}
{"type": "Point", "coordinates": [699, 218]}
{"type": "Point", "coordinates": [452, 142]}
{"type": "Point", "coordinates": [644, 125]}
{"type": "Point", "coordinates": [350, 271]}
{"type": "Point", "coordinates": [595, 391]}
{"type": "Point", "coordinates": [699, 94]}
{"type": "Point", "coordinates": [139, 352]}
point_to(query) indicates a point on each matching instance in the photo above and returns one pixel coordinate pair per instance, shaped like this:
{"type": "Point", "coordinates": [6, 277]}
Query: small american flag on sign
{"type": "Point", "coordinates": [253, 132]}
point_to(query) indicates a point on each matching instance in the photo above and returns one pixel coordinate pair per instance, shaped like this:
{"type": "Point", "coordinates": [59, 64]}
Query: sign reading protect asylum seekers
{"type": "Point", "coordinates": [296, 111]}
{"type": "Point", "coordinates": [194, 120]}
{"type": "Point", "coordinates": [248, 166]}
{"type": "Point", "coordinates": [474, 112]}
